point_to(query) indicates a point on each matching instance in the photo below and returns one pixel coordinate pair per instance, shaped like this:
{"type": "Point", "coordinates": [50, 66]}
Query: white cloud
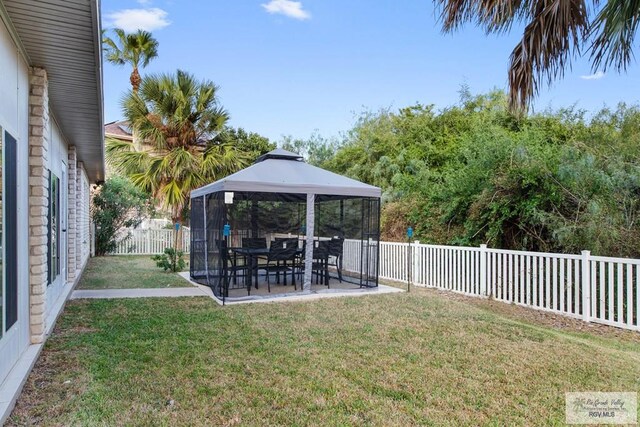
{"type": "Point", "coordinates": [292, 9]}
{"type": "Point", "coordinates": [138, 19]}
{"type": "Point", "coordinates": [597, 75]}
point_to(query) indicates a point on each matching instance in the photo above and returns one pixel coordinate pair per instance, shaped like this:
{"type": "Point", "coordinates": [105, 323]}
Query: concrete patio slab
{"type": "Point", "coordinates": [296, 296]}
{"type": "Point", "coordinates": [139, 293]}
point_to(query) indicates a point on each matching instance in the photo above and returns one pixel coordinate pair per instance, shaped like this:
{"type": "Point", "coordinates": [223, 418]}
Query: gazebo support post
{"type": "Point", "coordinates": [308, 256]}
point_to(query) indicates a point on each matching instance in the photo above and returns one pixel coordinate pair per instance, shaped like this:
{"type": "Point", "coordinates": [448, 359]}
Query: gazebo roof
{"type": "Point", "coordinates": [281, 171]}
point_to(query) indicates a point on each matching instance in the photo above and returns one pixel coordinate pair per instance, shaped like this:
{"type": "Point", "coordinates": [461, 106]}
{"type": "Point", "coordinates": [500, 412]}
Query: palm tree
{"type": "Point", "coordinates": [179, 119]}
{"type": "Point", "coordinates": [136, 49]}
{"type": "Point", "coordinates": [555, 31]}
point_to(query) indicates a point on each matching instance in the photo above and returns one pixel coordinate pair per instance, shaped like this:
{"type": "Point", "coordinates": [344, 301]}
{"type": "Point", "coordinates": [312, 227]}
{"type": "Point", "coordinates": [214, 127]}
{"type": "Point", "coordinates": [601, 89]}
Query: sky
{"type": "Point", "coordinates": [292, 68]}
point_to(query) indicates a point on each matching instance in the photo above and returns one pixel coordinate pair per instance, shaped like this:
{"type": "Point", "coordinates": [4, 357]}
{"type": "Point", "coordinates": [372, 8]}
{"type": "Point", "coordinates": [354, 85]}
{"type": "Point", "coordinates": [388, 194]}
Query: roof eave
{"type": "Point", "coordinates": [37, 28]}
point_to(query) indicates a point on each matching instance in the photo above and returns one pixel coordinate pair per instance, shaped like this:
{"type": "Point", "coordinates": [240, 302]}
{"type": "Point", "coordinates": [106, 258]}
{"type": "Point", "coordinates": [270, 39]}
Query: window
{"type": "Point", "coordinates": [8, 230]}
{"type": "Point", "coordinates": [54, 227]}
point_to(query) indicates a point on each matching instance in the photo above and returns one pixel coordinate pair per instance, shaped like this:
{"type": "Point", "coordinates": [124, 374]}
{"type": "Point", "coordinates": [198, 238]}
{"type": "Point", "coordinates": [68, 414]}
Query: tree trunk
{"type": "Point", "coordinates": [135, 80]}
{"type": "Point", "coordinates": [177, 234]}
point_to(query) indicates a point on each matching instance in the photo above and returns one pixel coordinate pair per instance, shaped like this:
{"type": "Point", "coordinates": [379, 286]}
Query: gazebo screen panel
{"type": "Point", "coordinates": [274, 215]}
{"type": "Point", "coordinates": [357, 221]}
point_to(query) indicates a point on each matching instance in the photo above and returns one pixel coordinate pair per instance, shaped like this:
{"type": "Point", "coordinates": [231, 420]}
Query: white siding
{"type": "Point", "coordinates": [14, 111]}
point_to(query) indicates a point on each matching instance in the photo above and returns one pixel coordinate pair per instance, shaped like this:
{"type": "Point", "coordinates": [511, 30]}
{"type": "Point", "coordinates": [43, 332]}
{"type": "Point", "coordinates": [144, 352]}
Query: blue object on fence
{"type": "Point", "coordinates": [177, 226]}
{"type": "Point", "coordinates": [226, 231]}
{"type": "Point", "coordinates": [409, 232]}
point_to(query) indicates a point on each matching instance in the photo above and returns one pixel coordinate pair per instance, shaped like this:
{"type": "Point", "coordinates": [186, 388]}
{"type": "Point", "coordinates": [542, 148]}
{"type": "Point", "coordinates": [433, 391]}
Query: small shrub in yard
{"type": "Point", "coordinates": [171, 260]}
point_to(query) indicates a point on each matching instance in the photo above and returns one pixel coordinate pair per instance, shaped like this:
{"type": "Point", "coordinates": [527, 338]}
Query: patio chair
{"type": "Point", "coordinates": [229, 264]}
{"type": "Point", "coordinates": [281, 242]}
{"type": "Point", "coordinates": [320, 265]}
{"type": "Point", "coordinates": [336, 247]}
{"type": "Point", "coordinates": [254, 242]}
{"type": "Point", "coordinates": [298, 263]}
{"type": "Point", "coordinates": [277, 263]}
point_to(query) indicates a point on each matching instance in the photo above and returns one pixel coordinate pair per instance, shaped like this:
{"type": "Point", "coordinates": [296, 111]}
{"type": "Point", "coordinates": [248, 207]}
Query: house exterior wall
{"type": "Point", "coordinates": [25, 113]}
{"type": "Point", "coordinates": [14, 116]}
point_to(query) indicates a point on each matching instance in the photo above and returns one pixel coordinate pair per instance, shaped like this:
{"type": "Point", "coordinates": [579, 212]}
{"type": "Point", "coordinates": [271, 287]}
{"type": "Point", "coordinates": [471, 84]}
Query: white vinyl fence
{"type": "Point", "coordinates": [592, 288]}
{"type": "Point", "coordinates": [151, 242]}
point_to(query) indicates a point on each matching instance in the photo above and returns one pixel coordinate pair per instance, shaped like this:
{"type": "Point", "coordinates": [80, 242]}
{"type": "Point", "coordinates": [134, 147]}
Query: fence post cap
{"type": "Point", "coordinates": [483, 246]}
{"type": "Point", "coordinates": [417, 242]}
{"type": "Point", "coordinates": [586, 253]}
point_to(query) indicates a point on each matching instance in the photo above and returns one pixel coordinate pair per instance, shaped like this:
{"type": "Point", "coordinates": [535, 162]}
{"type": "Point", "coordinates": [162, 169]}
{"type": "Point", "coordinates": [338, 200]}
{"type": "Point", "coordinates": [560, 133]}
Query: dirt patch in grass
{"type": "Point", "coordinates": [127, 272]}
{"type": "Point", "coordinates": [423, 358]}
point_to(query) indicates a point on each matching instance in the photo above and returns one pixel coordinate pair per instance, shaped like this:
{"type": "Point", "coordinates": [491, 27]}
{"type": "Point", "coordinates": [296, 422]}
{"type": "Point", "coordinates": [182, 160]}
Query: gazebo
{"type": "Point", "coordinates": [282, 223]}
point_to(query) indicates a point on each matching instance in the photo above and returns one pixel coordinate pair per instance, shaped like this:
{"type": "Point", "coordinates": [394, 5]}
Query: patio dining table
{"type": "Point", "coordinates": [252, 255]}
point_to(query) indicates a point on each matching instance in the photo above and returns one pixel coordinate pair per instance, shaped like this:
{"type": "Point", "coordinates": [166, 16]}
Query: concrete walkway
{"type": "Point", "coordinates": [139, 293]}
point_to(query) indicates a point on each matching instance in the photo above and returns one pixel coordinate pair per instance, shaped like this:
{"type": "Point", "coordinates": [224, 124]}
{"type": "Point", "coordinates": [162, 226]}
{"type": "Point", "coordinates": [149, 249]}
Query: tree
{"type": "Point", "coordinates": [117, 205]}
{"type": "Point", "coordinates": [555, 30]}
{"type": "Point", "coordinates": [136, 49]}
{"type": "Point", "coordinates": [316, 150]}
{"type": "Point", "coordinates": [179, 118]}
{"type": "Point", "coordinates": [251, 143]}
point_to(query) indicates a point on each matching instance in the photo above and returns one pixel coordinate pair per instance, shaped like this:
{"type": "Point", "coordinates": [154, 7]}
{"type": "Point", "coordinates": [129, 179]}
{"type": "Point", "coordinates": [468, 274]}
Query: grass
{"type": "Point", "coordinates": [122, 272]}
{"type": "Point", "coordinates": [424, 358]}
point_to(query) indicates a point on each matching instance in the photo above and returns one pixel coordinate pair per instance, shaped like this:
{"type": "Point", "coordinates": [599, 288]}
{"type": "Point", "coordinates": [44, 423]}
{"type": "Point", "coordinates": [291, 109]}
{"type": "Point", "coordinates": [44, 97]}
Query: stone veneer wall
{"type": "Point", "coordinates": [38, 200]}
{"type": "Point", "coordinates": [78, 236]}
{"type": "Point", "coordinates": [72, 265]}
{"type": "Point", "coordinates": [79, 215]}
{"type": "Point", "coordinates": [85, 219]}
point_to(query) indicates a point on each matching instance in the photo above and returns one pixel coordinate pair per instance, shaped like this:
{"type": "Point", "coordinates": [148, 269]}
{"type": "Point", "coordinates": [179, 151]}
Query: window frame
{"type": "Point", "coordinates": [53, 235]}
{"type": "Point", "coordinates": [9, 229]}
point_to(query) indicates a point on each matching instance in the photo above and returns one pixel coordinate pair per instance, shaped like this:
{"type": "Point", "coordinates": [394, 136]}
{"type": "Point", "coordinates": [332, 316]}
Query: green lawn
{"type": "Point", "coordinates": [423, 358]}
{"type": "Point", "coordinates": [122, 272]}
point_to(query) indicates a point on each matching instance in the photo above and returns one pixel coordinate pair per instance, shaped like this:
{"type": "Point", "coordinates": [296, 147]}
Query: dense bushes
{"type": "Point", "coordinates": [474, 173]}
{"type": "Point", "coordinates": [116, 206]}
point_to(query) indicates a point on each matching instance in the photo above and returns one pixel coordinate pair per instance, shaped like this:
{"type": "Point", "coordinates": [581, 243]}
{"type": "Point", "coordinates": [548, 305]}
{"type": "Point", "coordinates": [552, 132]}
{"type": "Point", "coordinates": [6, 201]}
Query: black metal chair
{"type": "Point", "coordinates": [255, 243]}
{"type": "Point", "coordinates": [277, 261]}
{"type": "Point", "coordinates": [320, 265]}
{"type": "Point", "coordinates": [229, 266]}
{"type": "Point", "coordinates": [336, 248]}
{"type": "Point", "coordinates": [284, 241]}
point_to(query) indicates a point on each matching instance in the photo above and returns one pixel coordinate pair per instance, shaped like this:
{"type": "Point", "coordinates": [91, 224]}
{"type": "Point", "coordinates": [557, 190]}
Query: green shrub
{"type": "Point", "coordinates": [171, 260]}
{"type": "Point", "coordinates": [115, 206]}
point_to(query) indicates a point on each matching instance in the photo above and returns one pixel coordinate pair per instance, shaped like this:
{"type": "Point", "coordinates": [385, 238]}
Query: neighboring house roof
{"type": "Point", "coordinates": [281, 171]}
{"type": "Point", "coordinates": [64, 38]}
{"type": "Point", "coordinates": [119, 130]}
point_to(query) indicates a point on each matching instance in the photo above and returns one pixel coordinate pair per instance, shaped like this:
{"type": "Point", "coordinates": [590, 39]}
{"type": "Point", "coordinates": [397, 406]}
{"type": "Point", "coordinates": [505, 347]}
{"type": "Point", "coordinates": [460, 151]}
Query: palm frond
{"type": "Point", "coordinates": [136, 49]}
{"type": "Point", "coordinates": [122, 156]}
{"type": "Point", "coordinates": [548, 42]}
{"type": "Point", "coordinates": [554, 32]}
{"type": "Point", "coordinates": [177, 117]}
{"type": "Point", "coordinates": [613, 32]}
{"type": "Point", "coordinates": [492, 15]}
